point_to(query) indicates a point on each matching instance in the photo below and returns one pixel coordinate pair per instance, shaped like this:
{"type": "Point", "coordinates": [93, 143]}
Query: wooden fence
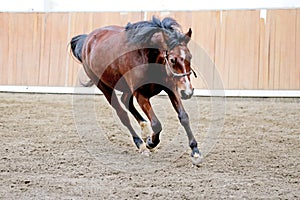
{"type": "Point", "coordinates": [250, 52]}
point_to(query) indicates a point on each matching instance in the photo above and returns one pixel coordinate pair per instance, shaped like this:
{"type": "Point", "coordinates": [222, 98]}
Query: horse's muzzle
{"type": "Point", "coordinates": [185, 96]}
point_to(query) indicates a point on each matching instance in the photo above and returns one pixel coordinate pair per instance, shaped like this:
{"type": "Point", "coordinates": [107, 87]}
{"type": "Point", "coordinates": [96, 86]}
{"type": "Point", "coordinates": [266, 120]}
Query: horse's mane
{"type": "Point", "coordinates": [142, 32]}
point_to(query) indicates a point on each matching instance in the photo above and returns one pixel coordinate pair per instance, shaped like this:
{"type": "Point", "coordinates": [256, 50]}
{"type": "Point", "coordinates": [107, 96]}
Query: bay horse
{"type": "Point", "coordinates": [141, 60]}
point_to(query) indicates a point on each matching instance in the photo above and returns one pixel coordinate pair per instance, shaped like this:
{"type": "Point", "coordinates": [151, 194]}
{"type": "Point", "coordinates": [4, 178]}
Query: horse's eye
{"type": "Point", "coordinates": [173, 60]}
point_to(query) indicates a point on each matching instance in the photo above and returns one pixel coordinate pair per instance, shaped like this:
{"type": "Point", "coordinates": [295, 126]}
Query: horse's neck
{"type": "Point", "coordinates": [154, 56]}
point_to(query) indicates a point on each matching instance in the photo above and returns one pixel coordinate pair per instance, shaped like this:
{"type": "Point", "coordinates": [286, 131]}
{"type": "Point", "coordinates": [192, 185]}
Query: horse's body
{"type": "Point", "coordinates": [140, 60]}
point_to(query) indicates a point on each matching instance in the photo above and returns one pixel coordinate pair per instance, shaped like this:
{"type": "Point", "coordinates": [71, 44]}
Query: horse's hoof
{"type": "Point", "coordinates": [150, 144]}
{"type": "Point", "coordinates": [196, 158]}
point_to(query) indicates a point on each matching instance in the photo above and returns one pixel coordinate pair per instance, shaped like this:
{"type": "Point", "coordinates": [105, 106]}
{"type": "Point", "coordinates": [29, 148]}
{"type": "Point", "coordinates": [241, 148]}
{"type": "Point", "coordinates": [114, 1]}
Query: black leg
{"type": "Point", "coordinates": [123, 116]}
{"type": "Point", "coordinates": [185, 122]}
{"type": "Point", "coordinates": [127, 100]}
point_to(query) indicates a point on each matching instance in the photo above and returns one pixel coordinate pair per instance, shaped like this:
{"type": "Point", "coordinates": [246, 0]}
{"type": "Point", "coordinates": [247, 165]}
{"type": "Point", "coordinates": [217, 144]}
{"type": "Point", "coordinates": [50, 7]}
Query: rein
{"type": "Point", "coordinates": [174, 74]}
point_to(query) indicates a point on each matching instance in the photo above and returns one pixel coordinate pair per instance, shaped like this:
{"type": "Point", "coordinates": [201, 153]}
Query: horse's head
{"type": "Point", "coordinates": [178, 66]}
{"type": "Point", "coordinates": [167, 37]}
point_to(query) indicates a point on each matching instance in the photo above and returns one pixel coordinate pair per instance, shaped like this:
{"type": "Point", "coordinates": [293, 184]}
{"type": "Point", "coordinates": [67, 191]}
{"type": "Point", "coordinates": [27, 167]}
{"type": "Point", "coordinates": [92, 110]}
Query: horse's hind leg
{"type": "Point", "coordinates": [127, 100]}
{"type": "Point", "coordinates": [123, 116]}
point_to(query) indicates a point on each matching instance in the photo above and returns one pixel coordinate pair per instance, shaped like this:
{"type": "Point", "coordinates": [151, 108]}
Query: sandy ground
{"type": "Point", "coordinates": [74, 147]}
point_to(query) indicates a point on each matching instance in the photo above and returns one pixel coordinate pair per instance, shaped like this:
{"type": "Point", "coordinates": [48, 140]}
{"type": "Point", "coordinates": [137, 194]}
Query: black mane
{"type": "Point", "coordinates": [142, 32]}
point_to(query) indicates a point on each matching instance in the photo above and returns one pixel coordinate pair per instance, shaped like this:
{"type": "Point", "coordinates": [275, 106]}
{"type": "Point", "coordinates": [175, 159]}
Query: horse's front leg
{"type": "Point", "coordinates": [185, 122]}
{"type": "Point", "coordinates": [153, 139]}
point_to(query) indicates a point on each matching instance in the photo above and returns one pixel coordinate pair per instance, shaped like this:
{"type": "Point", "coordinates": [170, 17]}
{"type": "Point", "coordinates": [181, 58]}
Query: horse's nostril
{"type": "Point", "coordinates": [182, 93]}
{"type": "Point", "coordinates": [186, 96]}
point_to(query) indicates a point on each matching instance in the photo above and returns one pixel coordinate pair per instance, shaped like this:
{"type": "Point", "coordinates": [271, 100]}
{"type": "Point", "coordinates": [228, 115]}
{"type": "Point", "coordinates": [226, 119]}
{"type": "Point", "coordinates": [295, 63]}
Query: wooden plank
{"type": "Point", "coordinates": [294, 43]}
{"type": "Point", "coordinates": [58, 50]}
{"type": "Point", "coordinates": [228, 50]}
{"type": "Point", "coordinates": [234, 39]}
{"type": "Point", "coordinates": [220, 48]}
{"type": "Point", "coordinates": [53, 49]}
{"type": "Point", "coordinates": [45, 50]}
{"type": "Point", "coordinates": [283, 48]}
{"type": "Point", "coordinates": [271, 55]}
{"type": "Point", "coordinates": [286, 34]}
{"type": "Point", "coordinates": [288, 67]}
{"type": "Point", "coordinates": [204, 26]}
{"type": "Point", "coordinates": [4, 50]}
{"type": "Point", "coordinates": [12, 43]}
{"type": "Point", "coordinates": [25, 42]}
{"type": "Point", "coordinates": [263, 77]}
{"type": "Point", "coordinates": [11, 56]}
{"type": "Point", "coordinates": [16, 51]}
{"type": "Point", "coordinates": [34, 68]}
{"type": "Point", "coordinates": [27, 65]}
{"type": "Point", "coordinates": [22, 47]}
{"type": "Point", "coordinates": [185, 19]}
{"type": "Point", "coordinates": [243, 46]}
{"type": "Point", "coordinates": [296, 76]}
{"type": "Point", "coordinates": [218, 73]}
{"type": "Point", "coordinates": [248, 76]}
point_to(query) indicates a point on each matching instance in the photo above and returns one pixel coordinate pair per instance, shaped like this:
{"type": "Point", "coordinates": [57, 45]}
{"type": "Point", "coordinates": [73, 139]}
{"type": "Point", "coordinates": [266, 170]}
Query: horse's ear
{"type": "Point", "coordinates": [188, 35]}
{"type": "Point", "coordinates": [158, 40]}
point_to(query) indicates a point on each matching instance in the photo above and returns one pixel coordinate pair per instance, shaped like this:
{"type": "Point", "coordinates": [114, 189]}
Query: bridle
{"type": "Point", "coordinates": [175, 74]}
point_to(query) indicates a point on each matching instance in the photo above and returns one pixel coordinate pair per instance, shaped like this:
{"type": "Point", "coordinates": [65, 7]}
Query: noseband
{"type": "Point", "coordinates": [174, 74]}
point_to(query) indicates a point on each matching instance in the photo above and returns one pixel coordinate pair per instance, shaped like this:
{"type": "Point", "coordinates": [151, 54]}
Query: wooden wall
{"type": "Point", "coordinates": [249, 52]}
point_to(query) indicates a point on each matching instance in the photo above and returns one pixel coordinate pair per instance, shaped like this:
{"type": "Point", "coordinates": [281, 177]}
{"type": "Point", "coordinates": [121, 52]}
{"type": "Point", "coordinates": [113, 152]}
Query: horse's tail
{"type": "Point", "coordinates": [77, 44]}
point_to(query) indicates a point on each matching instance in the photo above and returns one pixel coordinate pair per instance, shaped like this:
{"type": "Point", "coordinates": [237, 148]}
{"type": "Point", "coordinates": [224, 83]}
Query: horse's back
{"type": "Point", "coordinates": [107, 30]}
{"type": "Point", "coordinates": [103, 34]}
{"type": "Point", "coordinates": [103, 49]}
{"type": "Point", "coordinates": [101, 43]}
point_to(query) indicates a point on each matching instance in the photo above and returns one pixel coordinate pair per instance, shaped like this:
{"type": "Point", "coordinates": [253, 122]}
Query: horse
{"type": "Point", "coordinates": [141, 60]}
